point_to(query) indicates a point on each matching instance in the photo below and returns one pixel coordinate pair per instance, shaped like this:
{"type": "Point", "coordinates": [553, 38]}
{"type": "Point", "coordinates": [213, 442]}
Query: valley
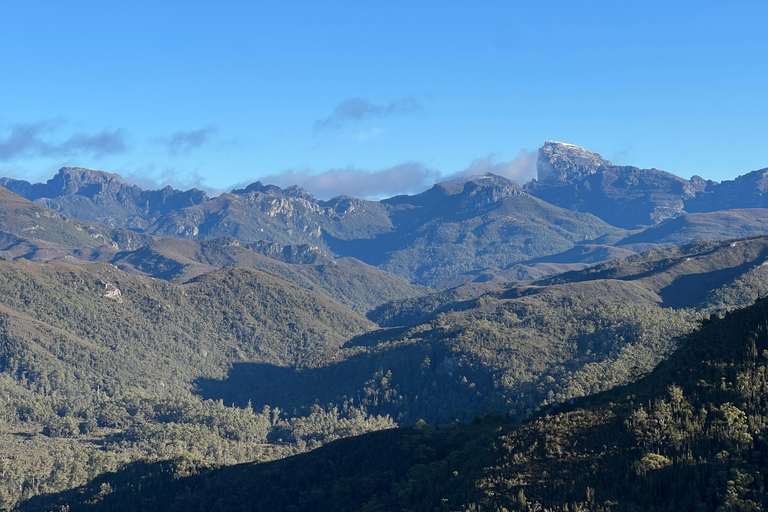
{"type": "Point", "coordinates": [478, 345]}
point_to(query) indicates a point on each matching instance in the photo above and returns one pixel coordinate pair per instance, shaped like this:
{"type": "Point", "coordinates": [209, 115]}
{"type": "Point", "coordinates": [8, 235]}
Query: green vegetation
{"type": "Point", "coordinates": [41, 228]}
{"type": "Point", "coordinates": [101, 364]}
{"type": "Point", "coordinates": [123, 391]}
{"type": "Point", "coordinates": [691, 435]}
{"type": "Point", "coordinates": [34, 232]}
{"type": "Point", "coordinates": [353, 283]}
{"type": "Point", "coordinates": [238, 365]}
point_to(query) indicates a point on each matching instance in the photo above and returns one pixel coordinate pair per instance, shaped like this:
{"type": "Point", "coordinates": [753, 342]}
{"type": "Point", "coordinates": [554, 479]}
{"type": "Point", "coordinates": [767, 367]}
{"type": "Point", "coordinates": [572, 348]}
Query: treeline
{"type": "Point", "coordinates": [420, 468]}
{"type": "Point", "coordinates": [45, 447]}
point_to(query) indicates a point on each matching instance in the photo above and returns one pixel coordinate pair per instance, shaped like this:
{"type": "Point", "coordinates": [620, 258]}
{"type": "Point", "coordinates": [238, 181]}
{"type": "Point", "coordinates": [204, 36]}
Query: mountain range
{"type": "Point", "coordinates": [582, 209]}
{"type": "Point", "coordinates": [163, 336]}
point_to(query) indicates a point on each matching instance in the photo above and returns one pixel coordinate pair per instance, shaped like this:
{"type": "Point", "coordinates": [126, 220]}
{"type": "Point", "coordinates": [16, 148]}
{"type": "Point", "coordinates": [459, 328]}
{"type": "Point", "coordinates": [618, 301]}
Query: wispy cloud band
{"type": "Point", "coordinates": [358, 109]}
{"type": "Point", "coordinates": [403, 178]}
{"type": "Point", "coordinates": [406, 178]}
{"type": "Point", "coordinates": [521, 169]}
{"type": "Point", "coordinates": [183, 142]}
{"type": "Point", "coordinates": [39, 140]}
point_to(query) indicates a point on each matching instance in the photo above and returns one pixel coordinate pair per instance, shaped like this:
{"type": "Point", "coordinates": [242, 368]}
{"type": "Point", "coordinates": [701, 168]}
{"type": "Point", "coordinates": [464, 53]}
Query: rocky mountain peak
{"type": "Point", "coordinates": [489, 180]}
{"type": "Point", "coordinates": [558, 161]}
{"type": "Point", "coordinates": [273, 190]}
{"type": "Point", "coordinates": [69, 180]}
{"type": "Point", "coordinates": [481, 193]}
{"type": "Point", "coordinates": [469, 191]}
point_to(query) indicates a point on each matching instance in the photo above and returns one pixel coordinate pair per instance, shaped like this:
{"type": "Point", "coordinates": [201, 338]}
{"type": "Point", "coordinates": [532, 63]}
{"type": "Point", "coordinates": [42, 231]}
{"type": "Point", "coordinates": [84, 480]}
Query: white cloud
{"type": "Point", "coordinates": [39, 139]}
{"type": "Point", "coordinates": [358, 109]}
{"type": "Point", "coordinates": [521, 169]}
{"type": "Point", "coordinates": [400, 179]}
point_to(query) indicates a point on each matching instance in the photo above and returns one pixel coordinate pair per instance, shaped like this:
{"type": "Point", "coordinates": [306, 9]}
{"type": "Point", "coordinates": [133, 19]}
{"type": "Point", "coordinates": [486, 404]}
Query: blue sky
{"type": "Point", "coordinates": [377, 98]}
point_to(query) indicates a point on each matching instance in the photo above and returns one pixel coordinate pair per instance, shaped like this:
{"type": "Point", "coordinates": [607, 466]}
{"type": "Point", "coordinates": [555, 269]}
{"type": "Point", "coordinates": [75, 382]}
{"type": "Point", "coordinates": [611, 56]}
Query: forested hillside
{"type": "Point", "coordinates": [151, 339]}
{"type": "Point", "coordinates": [98, 368]}
{"type": "Point", "coordinates": [239, 365]}
{"type": "Point", "coordinates": [691, 435]}
{"type": "Point", "coordinates": [36, 233]}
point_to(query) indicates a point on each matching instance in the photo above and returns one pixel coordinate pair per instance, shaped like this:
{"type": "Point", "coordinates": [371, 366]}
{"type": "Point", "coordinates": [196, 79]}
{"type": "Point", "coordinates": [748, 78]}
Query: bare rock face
{"type": "Point", "coordinates": [563, 162]}
{"type": "Point", "coordinates": [574, 178]}
{"type": "Point", "coordinates": [112, 292]}
{"type": "Point", "coordinates": [84, 182]}
{"type": "Point", "coordinates": [747, 191]}
{"type": "Point", "coordinates": [306, 254]}
{"type": "Point", "coordinates": [484, 191]}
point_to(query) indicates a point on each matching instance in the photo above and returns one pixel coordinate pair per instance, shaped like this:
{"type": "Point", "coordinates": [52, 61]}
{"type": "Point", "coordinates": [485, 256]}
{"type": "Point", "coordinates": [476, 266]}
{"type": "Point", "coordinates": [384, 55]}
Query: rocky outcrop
{"type": "Point", "coordinates": [305, 254]}
{"type": "Point", "coordinates": [747, 191]}
{"type": "Point", "coordinates": [574, 178]}
{"type": "Point", "coordinates": [561, 162]}
{"type": "Point", "coordinates": [112, 292]}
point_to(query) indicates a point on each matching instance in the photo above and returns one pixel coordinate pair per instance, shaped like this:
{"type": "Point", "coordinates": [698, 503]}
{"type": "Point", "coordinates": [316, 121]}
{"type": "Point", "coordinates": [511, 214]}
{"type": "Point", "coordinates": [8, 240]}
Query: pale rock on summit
{"type": "Point", "coordinates": [628, 197]}
{"type": "Point", "coordinates": [558, 161]}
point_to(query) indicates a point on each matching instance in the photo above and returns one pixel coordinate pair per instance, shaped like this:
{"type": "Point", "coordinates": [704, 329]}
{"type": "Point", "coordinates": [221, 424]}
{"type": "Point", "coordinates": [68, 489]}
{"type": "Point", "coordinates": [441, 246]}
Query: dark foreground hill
{"type": "Point", "coordinates": [691, 435]}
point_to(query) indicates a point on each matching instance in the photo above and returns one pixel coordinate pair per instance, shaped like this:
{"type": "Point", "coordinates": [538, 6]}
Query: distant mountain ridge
{"type": "Point", "coordinates": [582, 209]}
{"type": "Point", "coordinates": [625, 196]}
{"type": "Point", "coordinates": [37, 233]}
{"type": "Point", "coordinates": [747, 191]}
{"type": "Point", "coordinates": [443, 235]}
{"type": "Point", "coordinates": [434, 238]}
{"type": "Point", "coordinates": [574, 178]}
{"type": "Point", "coordinates": [103, 197]}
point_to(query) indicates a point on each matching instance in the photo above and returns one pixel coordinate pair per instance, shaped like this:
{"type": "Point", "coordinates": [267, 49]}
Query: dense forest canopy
{"type": "Point", "coordinates": [688, 436]}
